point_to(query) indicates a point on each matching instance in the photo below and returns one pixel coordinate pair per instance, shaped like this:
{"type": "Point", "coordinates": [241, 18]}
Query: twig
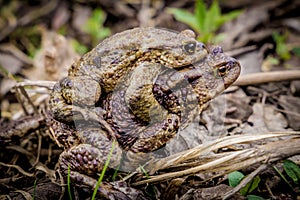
{"type": "Point", "coordinates": [266, 77]}
{"type": "Point", "coordinates": [22, 171]}
{"type": "Point", "coordinates": [239, 51]}
{"type": "Point", "coordinates": [12, 49]}
{"type": "Point", "coordinates": [23, 91]}
{"type": "Point", "coordinates": [46, 84]}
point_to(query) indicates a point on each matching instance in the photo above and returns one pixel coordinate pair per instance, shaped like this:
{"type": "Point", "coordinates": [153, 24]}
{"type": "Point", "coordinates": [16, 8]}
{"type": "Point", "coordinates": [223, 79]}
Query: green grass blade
{"type": "Point", "coordinates": [69, 182]}
{"type": "Point", "coordinates": [254, 197]}
{"type": "Point", "coordinates": [283, 177]}
{"type": "Point", "coordinates": [144, 171]}
{"type": "Point", "coordinates": [34, 190]}
{"type": "Point", "coordinates": [113, 178]}
{"type": "Point", "coordinates": [94, 26]}
{"type": "Point", "coordinates": [250, 186]}
{"type": "Point", "coordinates": [104, 170]}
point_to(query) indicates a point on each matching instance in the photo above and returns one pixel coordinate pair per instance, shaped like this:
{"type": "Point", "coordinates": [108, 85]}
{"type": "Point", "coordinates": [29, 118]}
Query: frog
{"type": "Point", "coordinates": [129, 96]}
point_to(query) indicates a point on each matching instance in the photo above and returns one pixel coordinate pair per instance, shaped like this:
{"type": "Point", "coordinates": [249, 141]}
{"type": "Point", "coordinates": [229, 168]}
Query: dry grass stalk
{"type": "Point", "coordinates": [202, 159]}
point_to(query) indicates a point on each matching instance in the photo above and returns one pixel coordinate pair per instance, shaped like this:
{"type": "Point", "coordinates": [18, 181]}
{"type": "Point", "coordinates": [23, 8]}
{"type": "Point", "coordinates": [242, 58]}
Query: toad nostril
{"type": "Point", "coordinates": [231, 62]}
{"type": "Point", "coordinates": [200, 45]}
{"type": "Point", "coordinates": [217, 50]}
{"type": "Point", "coordinates": [69, 83]}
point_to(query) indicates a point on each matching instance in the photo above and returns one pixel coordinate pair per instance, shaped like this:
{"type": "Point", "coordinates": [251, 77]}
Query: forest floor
{"type": "Point", "coordinates": [251, 130]}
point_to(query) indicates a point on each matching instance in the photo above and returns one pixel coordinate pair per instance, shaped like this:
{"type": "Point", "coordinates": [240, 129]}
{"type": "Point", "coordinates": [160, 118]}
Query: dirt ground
{"type": "Point", "coordinates": [253, 127]}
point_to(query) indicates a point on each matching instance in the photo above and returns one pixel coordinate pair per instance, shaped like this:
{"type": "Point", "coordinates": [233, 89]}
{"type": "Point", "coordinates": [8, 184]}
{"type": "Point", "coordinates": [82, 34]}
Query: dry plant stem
{"type": "Point", "coordinates": [288, 112]}
{"type": "Point", "coordinates": [21, 150]}
{"type": "Point", "coordinates": [248, 79]}
{"type": "Point", "coordinates": [204, 149]}
{"type": "Point", "coordinates": [194, 170]}
{"type": "Point", "coordinates": [173, 188]}
{"type": "Point", "coordinates": [32, 159]}
{"type": "Point", "coordinates": [18, 96]}
{"type": "Point", "coordinates": [24, 93]}
{"type": "Point", "coordinates": [18, 168]}
{"type": "Point", "coordinates": [266, 77]}
{"type": "Point", "coordinates": [238, 159]}
{"type": "Point", "coordinates": [62, 184]}
{"type": "Point", "coordinates": [37, 13]}
{"type": "Point", "coordinates": [46, 84]}
{"type": "Point", "coordinates": [25, 195]}
{"type": "Point", "coordinates": [270, 191]}
{"type": "Point", "coordinates": [38, 150]}
{"type": "Point", "coordinates": [244, 182]}
{"type": "Point", "coordinates": [21, 127]}
{"type": "Point", "coordinates": [12, 49]}
{"type": "Point", "coordinates": [241, 50]}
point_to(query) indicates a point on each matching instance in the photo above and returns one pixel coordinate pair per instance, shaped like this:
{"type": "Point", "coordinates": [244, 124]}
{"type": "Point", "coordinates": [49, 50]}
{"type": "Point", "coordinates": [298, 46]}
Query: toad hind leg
{"type": "Point", "coordinates": [86, 162]}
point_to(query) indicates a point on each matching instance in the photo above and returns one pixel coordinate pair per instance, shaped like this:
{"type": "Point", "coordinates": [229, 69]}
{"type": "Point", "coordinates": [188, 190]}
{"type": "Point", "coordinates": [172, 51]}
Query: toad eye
{"type": "Point", "coordinates": [190, 47]}
{"type": "Point", "coordinates": [222, 70]}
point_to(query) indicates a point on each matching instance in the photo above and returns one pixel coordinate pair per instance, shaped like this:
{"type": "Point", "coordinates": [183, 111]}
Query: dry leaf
{"type": "Point", "coordinates": [292, 107]}
{"type": "Point", "coordinates": [54, 58]}
{"type": "Point", "coordinates": [265, 118]}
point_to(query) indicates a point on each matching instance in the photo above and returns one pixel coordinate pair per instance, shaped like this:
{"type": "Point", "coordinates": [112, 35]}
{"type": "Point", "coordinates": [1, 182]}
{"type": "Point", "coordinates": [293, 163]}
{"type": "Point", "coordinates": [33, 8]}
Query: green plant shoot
{"type": "Point", "coordinates": [69, 182]}
{"type": "Point", "coordinates": [104, 169]}
{"type": "Point", "coordinates": [292, 170]}
{"type": "Point", "coordinates": [205, 21]}
{"type": "Point", "coordinates": [251, 186]}
{"type": "Point", "coordinates": [234, 178]}
{"type": "Point", "coordinates": [281, 48]}
{"type": "Point", "coordinates": [95, 28]}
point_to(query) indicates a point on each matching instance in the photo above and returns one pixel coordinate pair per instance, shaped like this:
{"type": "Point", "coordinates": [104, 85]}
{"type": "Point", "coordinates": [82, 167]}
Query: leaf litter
{"type": "Point", "coordinates": [252, 124]}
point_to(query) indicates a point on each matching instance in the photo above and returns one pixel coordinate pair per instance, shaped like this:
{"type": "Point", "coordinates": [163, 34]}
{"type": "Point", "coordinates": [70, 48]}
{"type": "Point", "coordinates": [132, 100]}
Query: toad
{"type": "Point", "coordinates": [129, 96]}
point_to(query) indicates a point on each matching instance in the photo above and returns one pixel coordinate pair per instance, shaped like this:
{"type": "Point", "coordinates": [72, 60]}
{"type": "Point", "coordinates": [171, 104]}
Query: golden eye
{"type": "Point", "coordinates": [222, 70]}
{"type": "Point", "coordinates": [190, 47]}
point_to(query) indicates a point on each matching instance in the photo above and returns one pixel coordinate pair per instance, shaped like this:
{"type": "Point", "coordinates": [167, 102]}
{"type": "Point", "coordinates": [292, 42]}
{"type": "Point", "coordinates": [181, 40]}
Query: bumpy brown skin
{"type": "Point", "coordinates": [101, 69]}
{"type": "Point", "coordinates": [140, 85]}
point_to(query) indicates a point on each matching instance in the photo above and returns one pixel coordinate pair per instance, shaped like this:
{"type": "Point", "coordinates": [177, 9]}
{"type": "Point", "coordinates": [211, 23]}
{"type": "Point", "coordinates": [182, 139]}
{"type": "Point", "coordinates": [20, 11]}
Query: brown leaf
{"type": "Point", "coordinates": [240, 101]}
{"type": "Point", "coordinates": [172, 188]}
{"type": "Point", "coordinates": [188, 138]}
{"type": "Point", "coordinates": [292, 107]}
{"type": "Point", "coordinates": [265, 118]}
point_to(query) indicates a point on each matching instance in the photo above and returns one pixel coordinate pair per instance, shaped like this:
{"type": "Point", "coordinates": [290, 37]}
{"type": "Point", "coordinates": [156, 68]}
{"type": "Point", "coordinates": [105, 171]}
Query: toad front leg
{"type": "Point", "coordinates": [138, 92]}
{"type": "Point", "coordinates": [71, 95]}
{"type": "Point", "coordinates": [143, 124]}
